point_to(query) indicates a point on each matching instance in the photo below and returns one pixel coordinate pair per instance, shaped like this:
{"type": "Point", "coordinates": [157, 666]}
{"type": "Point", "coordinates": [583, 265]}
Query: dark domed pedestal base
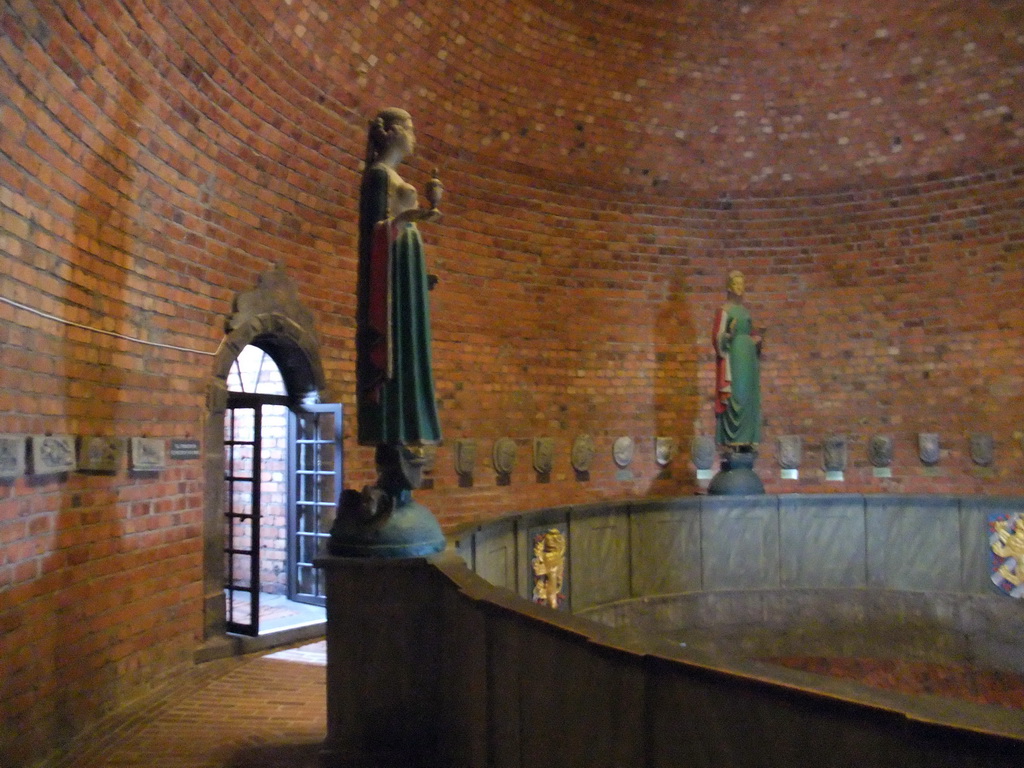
{"type": "Point", "coordinates": [409, 531]}
{"type": "Point", "coordinates": [737, 476]}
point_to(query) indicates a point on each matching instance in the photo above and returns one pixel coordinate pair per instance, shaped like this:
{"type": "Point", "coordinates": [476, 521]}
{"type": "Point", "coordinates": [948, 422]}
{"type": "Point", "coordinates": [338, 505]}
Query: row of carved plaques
{"type": "Point", "coordinates": [504, 453]}
{"type": "Point", "coordinates": [55, 454]}
{"type": "Point", "coordinates": [703, 452]}
{"type": "Point", "coordinates": [880, 451]}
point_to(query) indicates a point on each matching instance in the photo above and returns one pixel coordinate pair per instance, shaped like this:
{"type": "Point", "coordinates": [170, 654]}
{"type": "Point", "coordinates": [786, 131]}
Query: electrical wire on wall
{"type": "Point", "coordinates": [116, 335]}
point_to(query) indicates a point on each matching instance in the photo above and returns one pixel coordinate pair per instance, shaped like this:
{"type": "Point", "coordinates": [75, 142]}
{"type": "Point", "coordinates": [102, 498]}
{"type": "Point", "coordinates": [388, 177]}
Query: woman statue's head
{"type": "Point", "coordinates": [391, 128]}
{"type": "Point", "coordinates": [735, 284]}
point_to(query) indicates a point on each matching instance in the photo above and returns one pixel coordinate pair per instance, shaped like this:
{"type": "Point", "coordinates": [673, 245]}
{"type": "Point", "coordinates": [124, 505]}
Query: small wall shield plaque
{"type": "Point", "coordinates": [148, 454]}
{"type": "Point", "coordinates": [880, 451]}
{"type": "Point", "coordinates": [504, 456]}
{"type": "Point", "coordinates": [52, 454]}
{"type": "Point", "coordinates": [833, 453]}
{"type": "Point", "coordinates": [12, 456]}
{"type": "Point", "coordinates": [543, 454]}
{"type": "Point", "coordinates": [702, 451]}
{"type": "Point", "coordinates": [790, 451]}
{"type": "Point", "coordinates": [664, 450]}
{"type": "Point", "coordinates": [1006, 539]}
{"type": "Point", "coordinates": [982, 448]}
{"type": "Point", "coordinates": [583, 450]}
{"type": "Point", "coordinates": [100, 454]}
{"type": "Point", "coordinates": [622, 451]}
{"type": "Point", "coordinates": [928, 448]}
{"type": "Point", "coordinates": [465, 457]}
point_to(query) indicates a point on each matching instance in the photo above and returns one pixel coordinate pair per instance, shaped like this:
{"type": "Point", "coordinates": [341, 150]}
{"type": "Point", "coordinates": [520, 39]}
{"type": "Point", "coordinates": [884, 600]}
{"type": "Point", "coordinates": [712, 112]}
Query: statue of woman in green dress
{"type": "Point", "coordinates": [738, 377]}
{"type": "Point", "coordinates": [395, 401]}
{"type": "Point", "coordinates": [395, 382]}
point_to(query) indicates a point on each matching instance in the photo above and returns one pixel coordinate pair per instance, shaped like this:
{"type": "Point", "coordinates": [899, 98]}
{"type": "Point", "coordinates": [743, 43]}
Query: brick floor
{"type": "Point", "coordinates": [266, 711]}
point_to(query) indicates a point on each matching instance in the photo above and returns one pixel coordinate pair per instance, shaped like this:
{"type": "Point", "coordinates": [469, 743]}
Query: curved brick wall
{"type": "Point", "coordinates": [604, 171]}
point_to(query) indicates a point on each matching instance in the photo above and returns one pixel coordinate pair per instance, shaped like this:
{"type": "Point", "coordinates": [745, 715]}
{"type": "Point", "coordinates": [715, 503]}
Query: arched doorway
{"type": "Point", "coordinates": [273, 461]}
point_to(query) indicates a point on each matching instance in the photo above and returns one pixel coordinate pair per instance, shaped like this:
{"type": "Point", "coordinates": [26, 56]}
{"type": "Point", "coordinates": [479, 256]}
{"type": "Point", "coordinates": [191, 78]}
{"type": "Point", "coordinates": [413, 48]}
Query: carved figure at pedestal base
{"type": "Point", "coordinates": [383, 520]}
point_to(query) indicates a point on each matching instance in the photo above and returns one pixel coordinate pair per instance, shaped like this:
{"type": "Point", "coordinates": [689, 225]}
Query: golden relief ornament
{"type": "Point", "coordinates": [1006, 539]}
{"type": "Point", "coordinates": [549, 567]}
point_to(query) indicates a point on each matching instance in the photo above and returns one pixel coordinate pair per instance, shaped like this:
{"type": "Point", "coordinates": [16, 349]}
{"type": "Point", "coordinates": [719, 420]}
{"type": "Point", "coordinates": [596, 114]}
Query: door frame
{"type": "Point", "coordinates": [272, 318]}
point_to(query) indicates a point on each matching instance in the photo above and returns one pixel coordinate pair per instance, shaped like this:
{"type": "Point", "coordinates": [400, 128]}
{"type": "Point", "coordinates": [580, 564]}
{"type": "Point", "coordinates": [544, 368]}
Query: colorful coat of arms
{"type": "Point", "coordinates": [1006, 537]}
{"type": "Point", "coordinates": [549, 567]}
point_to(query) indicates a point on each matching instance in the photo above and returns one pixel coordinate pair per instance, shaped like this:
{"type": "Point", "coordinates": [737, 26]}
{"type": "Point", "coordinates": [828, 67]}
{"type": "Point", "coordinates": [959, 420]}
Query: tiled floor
{"type": "Point", "coordinates": [260, 711]}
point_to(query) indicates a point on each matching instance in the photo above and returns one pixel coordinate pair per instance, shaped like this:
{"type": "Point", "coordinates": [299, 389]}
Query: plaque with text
{"type": "Point", "coordinates": [183, 450]}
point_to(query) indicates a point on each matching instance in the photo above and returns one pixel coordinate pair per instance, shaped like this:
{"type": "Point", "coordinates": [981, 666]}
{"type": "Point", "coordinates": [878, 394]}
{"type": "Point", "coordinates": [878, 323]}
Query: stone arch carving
{"type": "Point", "coordinates": [272, 318]}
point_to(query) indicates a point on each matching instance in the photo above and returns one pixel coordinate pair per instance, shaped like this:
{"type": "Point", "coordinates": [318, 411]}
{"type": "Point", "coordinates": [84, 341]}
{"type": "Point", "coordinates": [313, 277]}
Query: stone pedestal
{"type": "Point", "coordinates": [383, 663]}
{"type": "Point", "coordinates": [737, 476]}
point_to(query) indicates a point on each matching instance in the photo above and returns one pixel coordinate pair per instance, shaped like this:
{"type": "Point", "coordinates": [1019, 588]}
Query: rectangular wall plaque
{"type": "Point", "coordinates": [834, 476]}
{"type": "Point", "coordinates": [705, 474]}
{"type": "Point", "coordinates": [52, 454]}
{"type": "Point", "coordinates": [185, 449]}
{"type": "Point", "coordinates": [789, 474]}
{"type": "Point", "coordinates": [12, 456]}
{"type": "Point", "coordinates": [100, 454]}
{"type": "Point", "coordinates": [148, 454]}
{"type": "Point", "coordinates": [881, 471]}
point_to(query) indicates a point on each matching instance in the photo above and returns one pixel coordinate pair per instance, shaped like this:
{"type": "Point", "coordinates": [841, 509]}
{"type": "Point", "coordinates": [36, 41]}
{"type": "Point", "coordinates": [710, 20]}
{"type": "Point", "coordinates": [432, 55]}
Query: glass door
{"type": "Point", "coordinates": [315, 483]}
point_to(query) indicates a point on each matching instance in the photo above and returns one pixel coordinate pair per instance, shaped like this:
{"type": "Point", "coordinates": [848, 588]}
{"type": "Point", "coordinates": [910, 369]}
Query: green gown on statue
{"type": "Point", "coordinates": [738, 405]}
{"type": "Point", "coordinates": [395, 401]}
